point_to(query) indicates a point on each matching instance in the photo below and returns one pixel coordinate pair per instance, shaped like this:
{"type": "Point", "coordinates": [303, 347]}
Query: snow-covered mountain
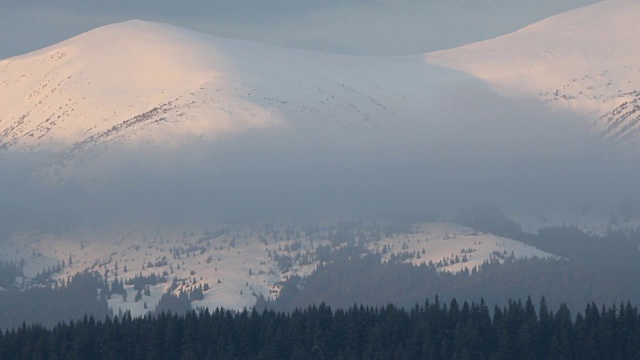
{"type": "Point", "coordinates": [586, 60]}
{"type": "Point", "coordinates": [140, 82]}
{"type": "Point", "coordinates": [108, 84]}
{"type": "Point", "coordinates": [149, 83]}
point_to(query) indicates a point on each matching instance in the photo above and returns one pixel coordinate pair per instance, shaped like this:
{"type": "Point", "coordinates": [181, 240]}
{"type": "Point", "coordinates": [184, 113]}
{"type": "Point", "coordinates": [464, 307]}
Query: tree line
{"type": "Point", "coordinates": [51, 304]}
{"type": "Point", "coordinates": [365, 279]}
{"type": "Point", "coordinates": [434, 330]}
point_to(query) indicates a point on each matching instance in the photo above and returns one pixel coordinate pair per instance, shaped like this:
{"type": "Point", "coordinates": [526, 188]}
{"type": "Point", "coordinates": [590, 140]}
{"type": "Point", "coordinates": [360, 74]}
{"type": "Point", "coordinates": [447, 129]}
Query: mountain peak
{"type": "Point", "coordinates": [144, 82]}
{"type": "Point", "coordinates": [585, 60]}
{"type": "Point", "coordinates": [101, 85]}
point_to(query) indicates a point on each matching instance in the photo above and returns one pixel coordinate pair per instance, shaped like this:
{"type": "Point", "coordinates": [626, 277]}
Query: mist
{"type": "Point", "coordinates": [509, 152]}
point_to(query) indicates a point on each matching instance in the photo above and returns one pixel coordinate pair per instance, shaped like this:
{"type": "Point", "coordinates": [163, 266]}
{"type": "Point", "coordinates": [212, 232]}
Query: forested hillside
{"type": "Point", "coordinates": [602, 269]}
{"type": "Point", "coordinates": [367, 281]}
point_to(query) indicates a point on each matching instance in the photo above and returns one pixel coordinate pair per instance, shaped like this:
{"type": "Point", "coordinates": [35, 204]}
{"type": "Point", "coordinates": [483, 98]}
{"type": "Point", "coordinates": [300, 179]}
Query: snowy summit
{"type": "Point", "coordinates": [586, 60]}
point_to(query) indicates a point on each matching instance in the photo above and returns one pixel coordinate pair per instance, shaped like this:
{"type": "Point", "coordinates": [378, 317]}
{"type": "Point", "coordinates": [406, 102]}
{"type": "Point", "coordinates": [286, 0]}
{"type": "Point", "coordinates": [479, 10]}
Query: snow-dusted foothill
{"type": "Point", "coordinates": [234, 264]}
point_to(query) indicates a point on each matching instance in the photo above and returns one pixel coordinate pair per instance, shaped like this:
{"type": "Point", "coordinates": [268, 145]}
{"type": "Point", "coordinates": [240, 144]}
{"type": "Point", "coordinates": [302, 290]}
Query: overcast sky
{"type": "Point", "coordinates": [345, 26]}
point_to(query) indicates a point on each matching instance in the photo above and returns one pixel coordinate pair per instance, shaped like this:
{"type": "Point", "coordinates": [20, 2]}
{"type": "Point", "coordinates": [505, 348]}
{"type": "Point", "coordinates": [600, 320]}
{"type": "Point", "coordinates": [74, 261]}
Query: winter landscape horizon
{"type": "Point", "coordinates": [266, 159]}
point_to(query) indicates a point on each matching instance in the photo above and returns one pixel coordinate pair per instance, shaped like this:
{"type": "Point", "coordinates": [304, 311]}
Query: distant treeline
{"type": "Point", "coordinates": [617, 246]}
{"type": "Point", "coordinates": [52, 304]}
{"type": "Point", "coordinates": [600, 268]}
{"type": "Point", "coordinates": [432, 331]}
{"type": "Point", "coordinates": [9, 271]}
{"type": "Point", "coordinates": [353, 278]}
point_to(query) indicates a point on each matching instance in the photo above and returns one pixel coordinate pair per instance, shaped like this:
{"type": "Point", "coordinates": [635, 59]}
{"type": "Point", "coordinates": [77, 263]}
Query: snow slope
{"type": "Point", "coordinates": [148, 83]}
{"type": "Point", "coordinates": [237, 262]}
{"type": "Point", "coordinates": [586, 60]}
{"type": "Point", "coordinates": [451, 247]}
{"type": "Point", "coordinates": [107, 84]}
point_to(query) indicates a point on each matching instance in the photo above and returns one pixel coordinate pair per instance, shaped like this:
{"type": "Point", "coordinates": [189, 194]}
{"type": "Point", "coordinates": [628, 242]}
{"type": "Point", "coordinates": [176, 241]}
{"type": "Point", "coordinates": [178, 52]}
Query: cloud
{"type": "Point", "coordinates": [475, 147]}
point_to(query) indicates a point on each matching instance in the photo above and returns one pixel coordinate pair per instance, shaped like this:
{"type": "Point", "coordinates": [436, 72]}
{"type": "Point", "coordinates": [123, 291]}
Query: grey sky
{"type": "Point", "coordinates": [349, 26]}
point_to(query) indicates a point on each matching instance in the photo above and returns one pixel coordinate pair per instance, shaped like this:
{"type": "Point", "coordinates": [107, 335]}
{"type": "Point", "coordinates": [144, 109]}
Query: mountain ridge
{"type": "Point", "coordinates": [584, 60]}
{"type": "Point", "coordinates": [140, 83]}
{"type": "Point", "coordinates": [104, 83]}
{"type": "Point", "coordinates": [101, 83]}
